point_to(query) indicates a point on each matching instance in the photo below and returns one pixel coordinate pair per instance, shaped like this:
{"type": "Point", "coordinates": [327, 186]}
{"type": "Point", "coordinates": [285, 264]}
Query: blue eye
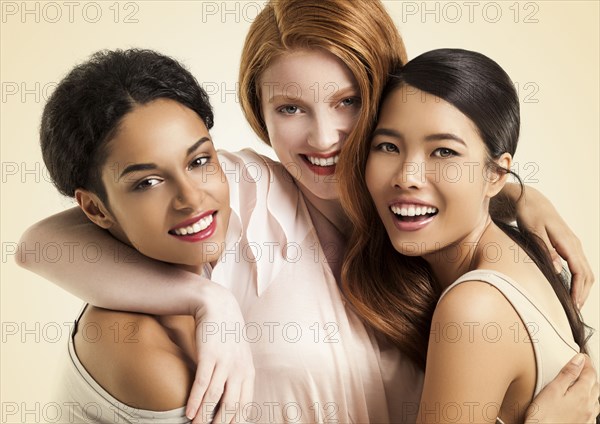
{"type": "Point", "coordinates": [289, 110]}
{"type": "Point", "coordinates": [443, 152]}
{"type": "Point", "coordinates": [199, 162]}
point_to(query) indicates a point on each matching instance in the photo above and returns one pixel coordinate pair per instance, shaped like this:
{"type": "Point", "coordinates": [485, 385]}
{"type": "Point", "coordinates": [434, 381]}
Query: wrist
{"type": "Point", "coordinates": [205, 296]}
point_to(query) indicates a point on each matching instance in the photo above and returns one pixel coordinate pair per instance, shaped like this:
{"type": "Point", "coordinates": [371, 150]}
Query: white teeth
{"type": "Point", "coordinates": [196, 227]}
{"type": "Point", "coordinates": [412, 210]}
{"type": "Point", "coordinates": [322, 161]}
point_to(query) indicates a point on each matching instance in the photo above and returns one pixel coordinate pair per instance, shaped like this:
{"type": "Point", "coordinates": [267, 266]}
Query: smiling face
{"type": "Point", "coordinates": [310, 103]}
{"type": "Point", "coordinates": [427, 173]}
{"type": "Point", "coordinates": [167, 195]}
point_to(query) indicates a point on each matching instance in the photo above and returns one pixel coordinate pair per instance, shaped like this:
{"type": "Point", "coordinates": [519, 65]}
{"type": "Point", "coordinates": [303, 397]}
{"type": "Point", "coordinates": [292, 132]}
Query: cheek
{"type": "Point", "coordinates": [286, 133]}
{"type": "Point", "coordinates": [139, 216]}
{"type": "Point", "coordinates": [348, 120]}
{"type": "Point", "coordinates": [218, 187]}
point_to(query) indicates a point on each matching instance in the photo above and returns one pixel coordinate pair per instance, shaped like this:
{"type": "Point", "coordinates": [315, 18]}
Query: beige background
{"type": "Point", "coordinates": [550, 49]}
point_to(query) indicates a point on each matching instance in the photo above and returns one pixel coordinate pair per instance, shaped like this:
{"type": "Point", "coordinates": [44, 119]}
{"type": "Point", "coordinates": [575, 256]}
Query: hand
{"type": "Point", "coordinates": [572, 397]}
{"type": "Point", "coordinates": [538, 215]}
{"type": "Point", "coordinates": [224, 380]}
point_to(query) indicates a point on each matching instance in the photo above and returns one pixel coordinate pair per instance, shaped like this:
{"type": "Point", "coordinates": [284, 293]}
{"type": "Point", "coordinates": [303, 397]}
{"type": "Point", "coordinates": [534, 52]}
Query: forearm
{"type": "Point", "coordinates": [88, 262]}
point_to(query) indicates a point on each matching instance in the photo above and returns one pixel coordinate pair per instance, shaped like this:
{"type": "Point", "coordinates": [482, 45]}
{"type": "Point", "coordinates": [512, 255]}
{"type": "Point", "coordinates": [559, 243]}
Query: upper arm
{"type": "Point", "coordinates": [472, 358]}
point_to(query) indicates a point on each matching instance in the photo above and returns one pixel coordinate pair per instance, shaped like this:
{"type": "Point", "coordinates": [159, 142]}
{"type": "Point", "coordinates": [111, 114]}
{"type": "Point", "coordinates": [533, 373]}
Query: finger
{"type": "Point", "coordinates": [230, 402]}
{"type": "Point", "coordinates": [586, 287]}
{"type": "Point", "coordinates": [209, 404]}
{"type": "Point", "coordinates": [556, 261]}
{"type": "Point", "coordinates": [587, 378]}
{"type": "Point", "coordinates": [571, 250]}
{"type": "Point", "coordinates": [570, 373]}
{"type": "Point", "coordinates": [246, 412]}
{"type": "Point", "coordinates": [554, 256]}
{"type": "Point", "coordinates": [202, 379]}
{"type": "Point", "coordinates": [543, 234]}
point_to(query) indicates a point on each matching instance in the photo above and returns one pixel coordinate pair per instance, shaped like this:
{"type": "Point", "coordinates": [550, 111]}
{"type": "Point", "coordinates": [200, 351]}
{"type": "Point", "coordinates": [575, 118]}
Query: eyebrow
{"type": "Point", "coordinates": [150, 166]}
{"type": "Point", "coordinates": [338, 93]}
{"type": "Point", "coordinates": [432, 137]}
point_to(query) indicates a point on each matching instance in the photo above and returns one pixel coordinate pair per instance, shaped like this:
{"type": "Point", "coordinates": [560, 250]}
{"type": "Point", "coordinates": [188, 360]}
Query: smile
{"type": "Point", "coordinates": [412, 217]}
{"type": "Point", "coordinates": [409, 211]}
{"type": "Point", "coordinates": [196, 229]}
{"type": "Point", "coordinates": [323, 161]}
{"type": "Point", "coordinates": [322, 164]}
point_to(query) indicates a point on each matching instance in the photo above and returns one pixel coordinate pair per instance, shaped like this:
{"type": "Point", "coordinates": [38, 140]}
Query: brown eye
{"type": "Point", "coordinates": [445, 153]}
{"type": "Point", "coordinates": [387, 147]}
{"type": "Point", "coordinates": [199, 162]}
{"type": "Point", "coordinates": [146, 184]}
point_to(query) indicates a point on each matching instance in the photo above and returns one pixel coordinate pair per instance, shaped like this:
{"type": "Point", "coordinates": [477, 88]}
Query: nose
{"type": "Point", "coordinates": [326, 131]}
{"type": "Point", "coordinates": [188, 196]}
{"type": "Point", "coordinates": [410, 174]}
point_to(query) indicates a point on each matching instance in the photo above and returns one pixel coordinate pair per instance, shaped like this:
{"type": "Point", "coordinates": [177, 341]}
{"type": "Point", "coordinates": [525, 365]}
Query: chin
{"type": "Point", "coordinates": [408, 248]}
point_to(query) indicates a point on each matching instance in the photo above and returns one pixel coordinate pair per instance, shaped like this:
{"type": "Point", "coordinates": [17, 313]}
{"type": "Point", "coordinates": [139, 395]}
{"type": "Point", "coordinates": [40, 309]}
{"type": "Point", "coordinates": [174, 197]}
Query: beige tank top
{"type": "Point", "coordinates": [83, 400]}
{"type": "Point", "coordinates": [552, 348]}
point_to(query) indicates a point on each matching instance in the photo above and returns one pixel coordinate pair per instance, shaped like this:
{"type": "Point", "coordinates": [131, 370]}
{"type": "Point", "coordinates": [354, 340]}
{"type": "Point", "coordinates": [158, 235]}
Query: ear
{"type": "Point", "coordinates": [94, 208]}
{"type": "Point", "coordinates": [496, 178]}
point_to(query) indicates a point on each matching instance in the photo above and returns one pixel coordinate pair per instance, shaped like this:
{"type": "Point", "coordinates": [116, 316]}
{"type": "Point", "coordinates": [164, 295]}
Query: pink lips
{"type": "Point", "coordinates": [192, 221]}
{"type": "Point", "coordinates": [202, 235]}
{"type": "Point", "coordinates": [413, 223]}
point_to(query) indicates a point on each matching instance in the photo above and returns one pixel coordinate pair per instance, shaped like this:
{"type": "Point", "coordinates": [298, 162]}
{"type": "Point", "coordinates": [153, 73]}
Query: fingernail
{"type": "Point", "coordinates": [578, 306]}
{"type": "Point", "coordinates": [578, 359]}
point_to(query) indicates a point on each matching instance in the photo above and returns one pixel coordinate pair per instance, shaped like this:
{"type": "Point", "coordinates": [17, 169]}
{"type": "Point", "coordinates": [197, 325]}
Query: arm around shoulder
{"type": "Point", "coordinates": [99, 269]}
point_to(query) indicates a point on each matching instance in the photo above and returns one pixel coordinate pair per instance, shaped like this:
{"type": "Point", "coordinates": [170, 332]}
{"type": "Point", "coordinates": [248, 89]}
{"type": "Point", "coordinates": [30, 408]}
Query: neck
{"type": "Point", "coordinates": [331, 225]}
{"type": "Point", "coordinates": [196, 269]}
{"type": "Point", "coordinates": [331, 209]}
{"type": "Point", "coordinates": [458, 258]}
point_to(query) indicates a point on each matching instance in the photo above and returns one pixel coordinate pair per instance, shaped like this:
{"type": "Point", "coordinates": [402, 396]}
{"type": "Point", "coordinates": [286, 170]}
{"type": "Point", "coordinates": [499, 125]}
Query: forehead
{"type": "Point", "coordinates": [160, 128]}
{"type": "Point", "coordinates": [305, 68]}
{"type": "Point", "coordinates": [415, 111]}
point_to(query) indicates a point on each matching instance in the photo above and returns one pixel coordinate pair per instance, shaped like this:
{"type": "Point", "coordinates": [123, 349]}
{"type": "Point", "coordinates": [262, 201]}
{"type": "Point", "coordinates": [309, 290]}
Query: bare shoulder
{"type": "Point", "coordinates": [484, 317]}
{"type": "Point", "coordinates": [474, 301]}
{"type": "Point", "coordinates": [476, 331]}
{"type": "Point", "coordinates": [133, 357]}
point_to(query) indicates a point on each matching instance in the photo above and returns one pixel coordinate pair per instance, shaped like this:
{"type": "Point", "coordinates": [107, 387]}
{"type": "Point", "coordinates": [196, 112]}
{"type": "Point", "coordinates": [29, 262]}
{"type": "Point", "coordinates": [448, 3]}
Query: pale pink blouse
{"type": "Point", "coordinates": [315, 360]}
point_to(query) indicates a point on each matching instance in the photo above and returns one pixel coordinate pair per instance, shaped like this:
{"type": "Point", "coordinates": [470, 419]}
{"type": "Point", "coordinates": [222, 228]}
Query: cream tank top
{"type": "Point", "coordinates": [552, 349]}
{"type": "Point", "coordinates": [83, 400]}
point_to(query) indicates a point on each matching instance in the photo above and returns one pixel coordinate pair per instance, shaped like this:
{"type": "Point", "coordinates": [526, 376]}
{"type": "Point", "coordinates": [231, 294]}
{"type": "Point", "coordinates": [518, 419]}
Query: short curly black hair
{"type": "Point", "coordinates": [84, 112]}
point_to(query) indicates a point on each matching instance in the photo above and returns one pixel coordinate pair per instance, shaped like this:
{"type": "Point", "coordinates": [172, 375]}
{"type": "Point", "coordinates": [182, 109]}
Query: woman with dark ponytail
{"type": "Point", "coordinates": [476, 300]}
